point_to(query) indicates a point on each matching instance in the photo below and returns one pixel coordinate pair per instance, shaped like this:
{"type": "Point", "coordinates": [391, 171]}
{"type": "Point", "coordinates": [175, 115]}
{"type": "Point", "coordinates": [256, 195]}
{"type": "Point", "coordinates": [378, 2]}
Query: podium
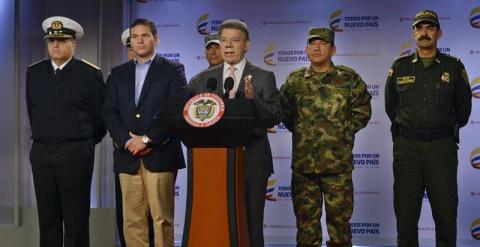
{"type": "Point", "coordinates": [215, 210]}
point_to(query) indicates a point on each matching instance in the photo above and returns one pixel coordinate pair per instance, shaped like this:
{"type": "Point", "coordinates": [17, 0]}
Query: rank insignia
{"type": "Point", "coordinates": [390, 72]}
{"type": "Point", "coordinates": [405, 80]}
{"type": "Point", "coordinates": [446, 77]}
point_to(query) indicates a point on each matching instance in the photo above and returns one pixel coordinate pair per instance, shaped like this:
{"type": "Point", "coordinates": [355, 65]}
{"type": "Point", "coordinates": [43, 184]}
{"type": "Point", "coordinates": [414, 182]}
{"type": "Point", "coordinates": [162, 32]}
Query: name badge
{"type": "Point", "coordinates": [405, 80]}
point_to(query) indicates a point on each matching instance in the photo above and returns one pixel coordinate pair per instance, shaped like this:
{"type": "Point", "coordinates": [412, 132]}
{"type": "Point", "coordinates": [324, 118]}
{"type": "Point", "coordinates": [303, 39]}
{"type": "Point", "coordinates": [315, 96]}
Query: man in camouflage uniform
{"type": "Point", "coordinates": [324, 105]}
{"type": "Point", "coordinates": [428, 99]}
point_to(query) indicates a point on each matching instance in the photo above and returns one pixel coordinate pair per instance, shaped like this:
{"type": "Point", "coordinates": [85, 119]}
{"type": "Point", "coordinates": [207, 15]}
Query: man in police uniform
{"type": "Point", "coordinates": [324, 105]}
{"type": "Point", "coordinates": [428, 99]}
{"type": "Point", "coordinates": [64, 102]}
{"type": "Point", "coordinates": [212, 50]}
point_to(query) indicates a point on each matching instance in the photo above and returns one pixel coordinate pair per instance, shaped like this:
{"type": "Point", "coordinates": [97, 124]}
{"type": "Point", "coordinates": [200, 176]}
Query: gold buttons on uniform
{"type": "Point", "coordinates": [137, 115]}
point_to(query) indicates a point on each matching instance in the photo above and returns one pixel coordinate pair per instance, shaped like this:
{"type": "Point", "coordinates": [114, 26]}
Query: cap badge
{"type": "Point", "coordinates": [57, 25]}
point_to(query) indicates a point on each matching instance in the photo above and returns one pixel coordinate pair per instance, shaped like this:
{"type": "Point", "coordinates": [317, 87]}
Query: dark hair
{"type": "Point", "coordinates": [144, 22]}
{"type": "Point", "coordinates": [234, 24]}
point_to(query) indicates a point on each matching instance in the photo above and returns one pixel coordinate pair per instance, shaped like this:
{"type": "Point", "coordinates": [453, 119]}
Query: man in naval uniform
{"type": "Point", "coordinates": [64, 101]}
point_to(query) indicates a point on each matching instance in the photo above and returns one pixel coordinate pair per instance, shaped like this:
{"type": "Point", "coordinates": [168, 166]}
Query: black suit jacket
{"type": "Point", "coordinates": [258, 154]}
{"type": "Point", "coordinates": [165, 80]}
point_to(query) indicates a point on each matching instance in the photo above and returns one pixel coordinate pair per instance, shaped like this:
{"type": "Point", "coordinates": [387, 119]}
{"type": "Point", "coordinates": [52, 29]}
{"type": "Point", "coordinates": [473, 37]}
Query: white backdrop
{"type": "Point", "coordinates": [370, 35]}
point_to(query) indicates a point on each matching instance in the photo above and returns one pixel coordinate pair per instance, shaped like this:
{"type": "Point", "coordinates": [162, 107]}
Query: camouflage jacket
{"type": "Point", "coordinates": [323, 112]}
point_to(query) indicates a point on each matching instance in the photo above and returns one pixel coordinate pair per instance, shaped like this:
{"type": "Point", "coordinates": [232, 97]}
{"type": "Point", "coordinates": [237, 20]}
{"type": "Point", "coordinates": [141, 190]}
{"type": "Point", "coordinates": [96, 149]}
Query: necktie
{"type": "Point", "coordinates": [232, 93]}
{"type": "Point", "coordinates": [57, 71]}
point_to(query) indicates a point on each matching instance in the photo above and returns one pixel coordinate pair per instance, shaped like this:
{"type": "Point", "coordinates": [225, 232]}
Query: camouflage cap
{"type": "Point", "coordinates": [212, 38]}
{"type": "Point", "coordinates": [426, 16]}
{"type": "Point", "coordinates": [325, 34]}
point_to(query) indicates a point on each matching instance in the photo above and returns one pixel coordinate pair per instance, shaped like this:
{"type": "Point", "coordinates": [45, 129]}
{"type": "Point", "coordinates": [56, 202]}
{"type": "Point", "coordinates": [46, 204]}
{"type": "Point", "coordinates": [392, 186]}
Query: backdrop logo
{"type": "Point", "coordinates": [475, 229]}
{"type": "Point", "coordinates": [475, 17]}
{"type": "Point", "coordinates": [171, 56]}
{"type": "Point", "coordinates": [475, 158]}
{"type": "Point", "coordinates": [272, 56]}
{"type": "Point", "coordinates": [339, 23]}
{"type": "Point", "coordinates": [366, 160]}
{"type": "Point", "coordinates": [374, 90]}
{"type": "Point", "coordinates": [202, 25]}
{"type": "Point", "coordinates": [206, 26]}
{"type": "Point", "coordinates": [407, 48]}
{"type": "Point", "coordinates": [365, 228]}
{"type": "Point", "coordinates": [335, 21]}
{"type": "Point", "coordinates": [269, 55]}
{"type": "Point", "coordinates": [476, 88]}
{"type": "Point", "coordinates": [270, 190]}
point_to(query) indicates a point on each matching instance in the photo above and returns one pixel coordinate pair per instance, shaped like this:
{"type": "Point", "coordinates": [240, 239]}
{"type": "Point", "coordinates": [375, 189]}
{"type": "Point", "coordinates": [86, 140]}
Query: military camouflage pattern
{"type": "Point", "coordinates": [324, 111]}
{"type": "Point", "coordinates": [307, 193]}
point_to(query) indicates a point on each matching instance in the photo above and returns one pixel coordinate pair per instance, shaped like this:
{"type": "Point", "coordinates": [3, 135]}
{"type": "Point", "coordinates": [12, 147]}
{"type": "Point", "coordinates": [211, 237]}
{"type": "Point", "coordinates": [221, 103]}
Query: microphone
{"type": "Point", "coordinates": [228, 85]}
{"type": "Point", "coordinates": [211, 84]}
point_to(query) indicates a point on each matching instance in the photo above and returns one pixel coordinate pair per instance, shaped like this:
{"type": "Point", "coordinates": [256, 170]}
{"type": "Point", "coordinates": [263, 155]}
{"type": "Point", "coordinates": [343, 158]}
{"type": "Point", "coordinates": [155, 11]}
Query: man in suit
{"type": "Point", "coordinates": [118, 190]}
{"type": "Point", "coordinates": [64, 103]}
{"type": "Point", "coordinates": [254, 83]}
{"type": "Point", "coordinates": [146, 156]}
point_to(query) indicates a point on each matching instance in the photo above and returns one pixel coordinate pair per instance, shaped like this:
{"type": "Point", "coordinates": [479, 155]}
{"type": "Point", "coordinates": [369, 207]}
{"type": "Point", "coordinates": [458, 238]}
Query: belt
{"type": "Point", "coordinates": [426, 135]}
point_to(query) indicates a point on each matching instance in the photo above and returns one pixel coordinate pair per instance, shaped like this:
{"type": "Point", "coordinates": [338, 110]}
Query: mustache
{"type": "Point", "coordinates": [424, 37]}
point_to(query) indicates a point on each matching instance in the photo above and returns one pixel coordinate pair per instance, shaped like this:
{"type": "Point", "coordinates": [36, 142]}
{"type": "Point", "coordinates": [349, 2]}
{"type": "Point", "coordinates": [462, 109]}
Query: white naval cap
{"type": "Point", "coordinates": [126, 37]}
{"type": "Point", "coordinates": [61, 27]}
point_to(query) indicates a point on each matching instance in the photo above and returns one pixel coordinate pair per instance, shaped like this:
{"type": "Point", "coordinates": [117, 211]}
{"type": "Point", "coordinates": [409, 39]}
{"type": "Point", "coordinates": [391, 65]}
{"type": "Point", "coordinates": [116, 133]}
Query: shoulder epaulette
{"type": "Point", "coordinates": [451, 57]}
{"type": "Point", "coordinates": [35, 63]}
{"type": "Point", "coordinates": [345, 68]}
{"type": "Point", "coordinates": [90, 64]}
{"type": "Point", "coordinates": [404, 56]}
{"type": "Point", "coordinates": [299, 70]}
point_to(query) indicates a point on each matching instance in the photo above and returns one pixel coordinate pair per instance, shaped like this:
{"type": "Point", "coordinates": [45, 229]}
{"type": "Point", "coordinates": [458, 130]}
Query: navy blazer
{"type": "Point", "coordinates": [165, 80]}
{"type": "Point", "coordinates": [258, 154]}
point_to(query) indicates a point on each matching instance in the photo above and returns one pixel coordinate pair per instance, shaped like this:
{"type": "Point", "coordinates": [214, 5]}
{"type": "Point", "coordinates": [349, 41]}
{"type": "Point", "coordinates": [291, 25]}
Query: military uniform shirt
{"type": "Point", "coordinates": [428, 98]}
{"type": "Point", "coordinates": [66, 108]}
{"type": "Point", "coordinates": [323, 112]}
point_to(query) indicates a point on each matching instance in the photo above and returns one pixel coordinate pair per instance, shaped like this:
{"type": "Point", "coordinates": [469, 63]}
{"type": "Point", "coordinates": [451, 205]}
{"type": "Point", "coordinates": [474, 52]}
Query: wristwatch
{"type": "Point", "coordinates": [146, 140]}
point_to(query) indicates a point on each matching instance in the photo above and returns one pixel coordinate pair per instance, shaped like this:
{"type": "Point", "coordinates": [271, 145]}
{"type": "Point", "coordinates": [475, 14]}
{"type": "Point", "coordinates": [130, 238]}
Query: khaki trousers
{"type": "Point", "coordinates": [145, 191]}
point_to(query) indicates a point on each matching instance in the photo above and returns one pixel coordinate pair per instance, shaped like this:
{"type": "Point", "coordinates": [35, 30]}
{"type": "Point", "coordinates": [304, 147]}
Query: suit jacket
{"type": "Point", "coordinates": [165, 80]}
{"type": "Point", "coordinates": [258, 154]}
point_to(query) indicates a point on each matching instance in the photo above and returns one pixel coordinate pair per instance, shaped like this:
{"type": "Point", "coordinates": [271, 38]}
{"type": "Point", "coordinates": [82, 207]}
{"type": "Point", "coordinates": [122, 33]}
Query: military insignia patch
{"type": "Point", "coordinates": [203, 110]}
{"type": "Point", "coordinates": [390, 72]}
{"type": "Point", "coordinates": [405, 80]}
{"type": "Point", "coordinates": [446, 77]}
